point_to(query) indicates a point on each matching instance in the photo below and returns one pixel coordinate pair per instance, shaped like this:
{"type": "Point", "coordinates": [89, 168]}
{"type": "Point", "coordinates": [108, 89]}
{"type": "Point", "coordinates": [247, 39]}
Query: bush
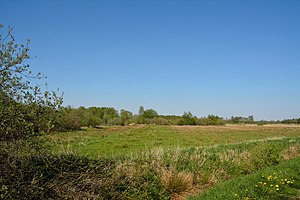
{"type": "Point", "coordinates": [67, 121]}
{"type": "Point", "coordinates": [187, 119]}
{"type": "Point", "coordinates": [26, 109]}
{"type": "Point", "coordinates": [261, 156]}
{"type": "Point", "coordinates": [46, 176]}
{"type": "Point", "coordinates": [67, 176]}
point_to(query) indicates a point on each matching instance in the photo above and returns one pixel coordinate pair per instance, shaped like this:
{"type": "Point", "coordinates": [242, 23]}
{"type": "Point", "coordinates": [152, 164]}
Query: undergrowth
{"type": "Point", "coordinates": [154, 174]}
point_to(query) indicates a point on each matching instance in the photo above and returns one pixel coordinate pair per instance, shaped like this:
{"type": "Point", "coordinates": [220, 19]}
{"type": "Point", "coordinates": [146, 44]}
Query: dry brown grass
{"type": "Point", "coordinates": [291, 152]}
{"type": "Point", "coordinates": [127, 169]}
{"type": "Point", "coordinates": [76, 186]}
{"type": "Point", "coordinates": [217, 175]}
{"type": "Point", "coordinates": [282, 125]}
{"type": "Point", "coordinates": [234, 127]}
{"type": "Point", "coordinates": [177, 183]}
{"type": "Point", "coordinates": [217, 128]}
{"type": "Point", "coordinates": [230, 155]}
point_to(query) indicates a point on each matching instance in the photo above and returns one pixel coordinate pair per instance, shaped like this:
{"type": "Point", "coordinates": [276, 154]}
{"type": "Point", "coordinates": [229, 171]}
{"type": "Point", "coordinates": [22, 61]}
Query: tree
{"type": "Point", "coordinates": [150, 113]}
{"type": "Point", "coordinates": [141, 118]}
{"type": "Point", "coordinates": [69, 119]}
{"type": "Point", "coordinates": [188, 119]}
{"type": "Point", "coordinates": [125, 116]}
{"type": "Point", "coordinates": [141, 111]}
{"type": "Point", "coordinates": [237, 120]}
{"type": "Point", "coordinates": [214, 120]}
{"type": "Point", "coordinates": [25, 108]}
{"type": "Point", "coordinates": [251, 119]}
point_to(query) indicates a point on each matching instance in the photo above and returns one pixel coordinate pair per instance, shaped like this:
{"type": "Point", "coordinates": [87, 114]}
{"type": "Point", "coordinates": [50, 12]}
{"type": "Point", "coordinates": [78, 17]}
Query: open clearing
{"type": "Point", "coordinates": [159, 162]}
{"type": "Point", "coordinates": [119, 140]}
{"type": "Point", "coordinates": [183, 161]}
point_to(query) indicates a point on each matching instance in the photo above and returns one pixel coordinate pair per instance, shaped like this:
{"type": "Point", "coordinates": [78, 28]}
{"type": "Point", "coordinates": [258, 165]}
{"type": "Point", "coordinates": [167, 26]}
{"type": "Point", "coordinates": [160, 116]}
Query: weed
{"type": "Point", "coordinates": [291, 152]}
{"type": "Point", "coordinates": [272, 183]}
{"type": "Point", "coordinates": [176, 182]}
{"type": "Point", "coordinates": [269, 186]}
{"type": "Point", "coordinates": [263, 155]}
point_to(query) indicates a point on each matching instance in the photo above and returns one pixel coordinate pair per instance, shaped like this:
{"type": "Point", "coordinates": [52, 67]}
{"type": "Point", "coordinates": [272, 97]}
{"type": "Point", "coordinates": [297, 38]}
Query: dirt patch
{"type": "Point", "coordinates": [217, 128]}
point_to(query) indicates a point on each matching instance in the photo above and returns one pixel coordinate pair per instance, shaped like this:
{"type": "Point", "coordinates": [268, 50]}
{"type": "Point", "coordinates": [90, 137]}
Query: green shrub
{"type": "Point", "coordinates": [261, 156]}
{"type": "Point", "coordinates": [69, 176]}
{"type": "Point", "coordinates": [46, 176]}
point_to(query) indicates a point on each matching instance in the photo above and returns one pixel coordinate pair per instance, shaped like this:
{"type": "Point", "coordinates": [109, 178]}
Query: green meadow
{"type": "Point", "coordinates": [180, 162]}
{"type": "Point", "coordinates": [156, 162]}
{"type": "Point", "coordinates": [122, 140]}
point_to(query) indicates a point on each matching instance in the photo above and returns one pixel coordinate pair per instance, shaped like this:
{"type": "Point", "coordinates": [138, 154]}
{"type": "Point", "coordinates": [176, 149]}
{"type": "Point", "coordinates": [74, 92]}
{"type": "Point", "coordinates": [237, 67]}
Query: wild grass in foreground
{"type": "Point", "coordinates": [154, 174]}
{"type": "Point", "coordinates": [275, 182]}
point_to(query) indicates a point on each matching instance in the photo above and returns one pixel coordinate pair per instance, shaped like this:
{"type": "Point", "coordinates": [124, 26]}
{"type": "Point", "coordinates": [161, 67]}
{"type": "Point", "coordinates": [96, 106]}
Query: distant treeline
{"type": "Point", "coordinates": [291, 121]}
{"type": "Point", "coordinates": [75, 118]}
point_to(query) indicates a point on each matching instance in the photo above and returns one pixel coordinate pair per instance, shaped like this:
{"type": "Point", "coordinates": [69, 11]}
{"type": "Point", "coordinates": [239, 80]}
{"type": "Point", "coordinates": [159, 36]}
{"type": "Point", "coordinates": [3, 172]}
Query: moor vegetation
{"type": "Point", "coordinates": [159, 173]}
{"type": "Point", "coordinates": [52, 152]}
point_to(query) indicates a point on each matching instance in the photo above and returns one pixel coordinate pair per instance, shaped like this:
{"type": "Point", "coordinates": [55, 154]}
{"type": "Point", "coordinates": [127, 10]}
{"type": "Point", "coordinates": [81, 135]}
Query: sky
{"type": "Point", "coordinates": [227, 58]}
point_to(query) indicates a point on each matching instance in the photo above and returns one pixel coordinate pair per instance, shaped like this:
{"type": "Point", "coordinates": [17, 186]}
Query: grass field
{"type": "Point", "coordinates": [109, 141]}
{"type": "Point", "coordinates": [157, 162]}
{"type": "Point", "coordinates": [183, 161]}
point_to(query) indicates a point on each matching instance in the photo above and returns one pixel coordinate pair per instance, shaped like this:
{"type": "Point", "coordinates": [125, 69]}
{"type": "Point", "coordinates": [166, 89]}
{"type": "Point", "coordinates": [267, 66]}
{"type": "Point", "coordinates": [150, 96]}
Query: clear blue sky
{"type": "Point", "coordinates": [233, 57]}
